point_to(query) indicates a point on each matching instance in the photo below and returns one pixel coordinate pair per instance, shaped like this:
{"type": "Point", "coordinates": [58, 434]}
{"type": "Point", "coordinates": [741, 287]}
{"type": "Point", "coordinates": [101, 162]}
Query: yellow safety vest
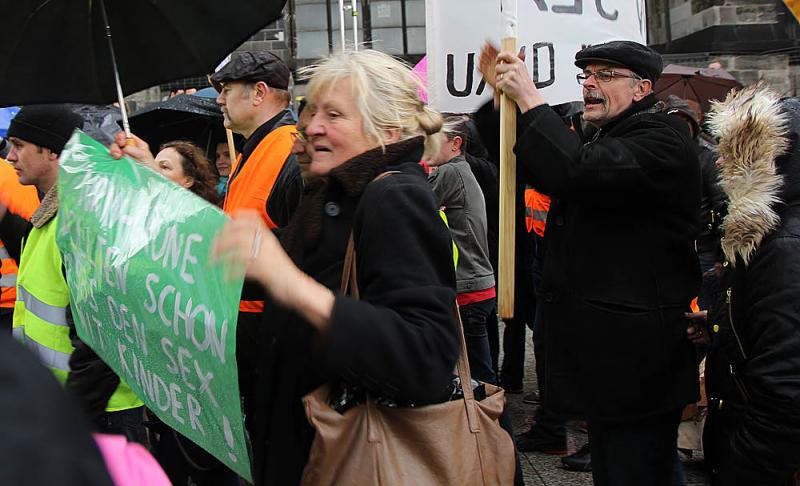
{"type": "Point", "coordinates": [455, 248]}
{"type": "Point", "coordinates": [40, 312]}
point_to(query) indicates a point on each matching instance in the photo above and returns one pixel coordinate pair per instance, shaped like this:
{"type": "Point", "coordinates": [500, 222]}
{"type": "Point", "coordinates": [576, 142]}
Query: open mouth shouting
{"type": "Point", "coordinates": [593, 98]}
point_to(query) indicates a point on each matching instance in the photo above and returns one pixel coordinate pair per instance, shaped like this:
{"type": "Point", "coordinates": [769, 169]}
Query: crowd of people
{"type": "Point", "coordinates": [655, 245]}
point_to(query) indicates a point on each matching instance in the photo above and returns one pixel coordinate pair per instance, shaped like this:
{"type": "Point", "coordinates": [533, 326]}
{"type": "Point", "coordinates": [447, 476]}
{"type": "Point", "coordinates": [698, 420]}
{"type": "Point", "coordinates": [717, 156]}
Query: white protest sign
{"type": "Point", "coordinates": [551, 31]}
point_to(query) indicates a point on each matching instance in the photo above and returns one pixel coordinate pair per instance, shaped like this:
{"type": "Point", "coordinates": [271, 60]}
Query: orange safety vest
{"type": "Point", "coordinates": [251, 187]}
{"type": "Point", "coordinates": [537, 206]}
{"type": "Point", "coordinates": [8, 282]}
{"type": "Point", "coordinates": [22, 201]}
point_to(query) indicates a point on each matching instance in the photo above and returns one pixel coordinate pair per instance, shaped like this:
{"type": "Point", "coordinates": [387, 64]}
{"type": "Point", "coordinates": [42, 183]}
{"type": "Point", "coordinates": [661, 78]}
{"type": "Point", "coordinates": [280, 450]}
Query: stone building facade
{"type": "Point", "coordinates": [753, 39]}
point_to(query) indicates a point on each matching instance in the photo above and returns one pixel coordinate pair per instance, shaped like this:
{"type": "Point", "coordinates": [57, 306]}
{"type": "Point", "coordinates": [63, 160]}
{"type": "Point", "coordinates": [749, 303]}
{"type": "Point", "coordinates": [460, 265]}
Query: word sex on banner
{"type": "Point", "coordinates": [551, 31]}
{"type": "Point", "coordinates": [143, 295]}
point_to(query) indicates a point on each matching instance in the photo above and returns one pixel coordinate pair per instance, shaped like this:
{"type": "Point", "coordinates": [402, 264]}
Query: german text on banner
{"type": "Point", "coordinates": [143, 295]}
{"type": "Point", "coordinates": [551, 31]}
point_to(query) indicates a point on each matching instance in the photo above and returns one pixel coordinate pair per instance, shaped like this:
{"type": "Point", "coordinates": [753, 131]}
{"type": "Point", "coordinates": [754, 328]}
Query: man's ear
{"type": "Point", "coordinates": [260, 92]}
{"type": "Point", "coordinates": [643, 88]}
{"type": "Point", "coordinates": [52, 156]}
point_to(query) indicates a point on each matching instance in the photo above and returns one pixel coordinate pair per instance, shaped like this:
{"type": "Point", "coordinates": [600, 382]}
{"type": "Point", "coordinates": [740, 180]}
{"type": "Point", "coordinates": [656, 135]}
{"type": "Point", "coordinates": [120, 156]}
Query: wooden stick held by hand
{"type": "Point", "coordinates": [508, 177]}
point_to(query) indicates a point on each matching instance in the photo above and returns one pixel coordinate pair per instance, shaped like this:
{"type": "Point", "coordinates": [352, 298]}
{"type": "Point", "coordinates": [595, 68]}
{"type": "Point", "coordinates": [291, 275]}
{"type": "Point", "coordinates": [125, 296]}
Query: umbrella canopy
{"type": "Point", "coordinates": [207, 93]}
{"type": "Point", "coordinates": [99, 121]}
{"type": "Point", "coordinates": [58, 51]}
{"type": "Point", "coordinates": [699, 84]}
{"type": "Point", "coordinates": [182, 117]}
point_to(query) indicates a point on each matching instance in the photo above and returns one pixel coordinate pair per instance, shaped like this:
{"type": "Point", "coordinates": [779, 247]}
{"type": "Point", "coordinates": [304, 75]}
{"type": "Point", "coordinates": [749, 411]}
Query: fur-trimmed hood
{"type": "Point", "coordinates": [753, 130]}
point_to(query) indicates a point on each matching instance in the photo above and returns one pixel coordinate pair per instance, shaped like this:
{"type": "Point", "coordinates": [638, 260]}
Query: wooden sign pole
{"type": "Point", "coordinates": [508, 176]}
{"type": "Point", "coordinates": [231, 146]}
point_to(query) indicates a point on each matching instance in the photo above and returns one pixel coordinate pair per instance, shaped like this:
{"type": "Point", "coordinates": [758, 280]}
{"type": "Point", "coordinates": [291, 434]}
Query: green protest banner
{"type": "Point", "coordinates": [144, 297]}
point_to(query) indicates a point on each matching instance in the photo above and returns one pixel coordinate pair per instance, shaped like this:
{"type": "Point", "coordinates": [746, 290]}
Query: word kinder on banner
{"type": "Point", "coordinates": [550, 31]}
{"type": "Point", "coordinates": [136, 249]}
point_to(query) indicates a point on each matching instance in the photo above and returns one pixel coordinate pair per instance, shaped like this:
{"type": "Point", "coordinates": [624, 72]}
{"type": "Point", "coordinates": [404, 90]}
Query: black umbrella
{"type": "Point", "coordinates": [154, 41]}
{"type": "Point", "coordinates": [99, 121]}
{"type": "Point", "coordinates": [182, 117]}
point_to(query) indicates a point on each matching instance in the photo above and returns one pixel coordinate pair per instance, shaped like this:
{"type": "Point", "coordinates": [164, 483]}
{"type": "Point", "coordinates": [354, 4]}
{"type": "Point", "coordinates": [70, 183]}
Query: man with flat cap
{"type": "Point", "coordinates": [255, 100]}
{"type": "Point", "coordinates": [266, 178]}
{"type": "Point", "coordinates": [42, 317]}
{"type": "Point", "coordinates": [620, 267]}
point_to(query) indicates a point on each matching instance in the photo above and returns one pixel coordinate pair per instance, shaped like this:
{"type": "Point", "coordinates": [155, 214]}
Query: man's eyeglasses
{"type": "Point", "coordinates": [604, 75]}
{"type": "Point", "coordinates": [300, 135]}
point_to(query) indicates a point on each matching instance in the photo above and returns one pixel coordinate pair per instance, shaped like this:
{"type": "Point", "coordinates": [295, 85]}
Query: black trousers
{"type": "Point", "coordinates": [636, 452]}
{"type": "Point", "coordinates": [247, 353]}
{"type": "Point", "coordinates": [6, 319]}
{"type": "Point", "coordinates": [547, 423]}
{"type": "Point", "coordinates": [184, 462]}
{"type": "Point", "coordinates": [512, 370]}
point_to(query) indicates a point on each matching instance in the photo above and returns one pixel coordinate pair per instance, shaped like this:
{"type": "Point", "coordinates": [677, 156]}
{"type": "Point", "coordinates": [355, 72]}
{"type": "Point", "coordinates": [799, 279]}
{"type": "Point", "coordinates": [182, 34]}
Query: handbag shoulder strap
{"type": "Point", "coordinates": [349, 286]}
{"type": "Point", "coordinates": [349, 283]}
{"type": "Point", "coordinates": [465, 376]}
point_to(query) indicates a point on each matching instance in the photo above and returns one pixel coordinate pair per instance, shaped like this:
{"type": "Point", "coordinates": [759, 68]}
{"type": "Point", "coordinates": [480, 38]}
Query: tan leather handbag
{"type": "Point", "coordinates": [453, 443]}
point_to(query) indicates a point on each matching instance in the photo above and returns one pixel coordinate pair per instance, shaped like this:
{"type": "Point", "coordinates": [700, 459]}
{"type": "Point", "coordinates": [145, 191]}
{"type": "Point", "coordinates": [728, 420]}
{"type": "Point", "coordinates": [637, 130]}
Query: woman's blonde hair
{"type": "Point", "coordinates": [385, 91]}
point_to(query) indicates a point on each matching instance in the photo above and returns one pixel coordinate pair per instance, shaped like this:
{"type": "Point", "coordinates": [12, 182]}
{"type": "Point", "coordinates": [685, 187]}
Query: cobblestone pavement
{"type": "Point", "coordinates": [545, 470]}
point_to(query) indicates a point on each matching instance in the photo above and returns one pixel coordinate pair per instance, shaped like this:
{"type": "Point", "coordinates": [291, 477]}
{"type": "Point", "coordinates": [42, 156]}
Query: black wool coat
{"type": "Point", "coordinates": [754, 367]}
{"type": "Point", "coordinates": [399, 341]}
{"type": "Point", "coordinates": [45, 438]}
{"type": "Point", "coordinates": [712, 203]}
{"type": "Point", "coordinates": [620, 268]}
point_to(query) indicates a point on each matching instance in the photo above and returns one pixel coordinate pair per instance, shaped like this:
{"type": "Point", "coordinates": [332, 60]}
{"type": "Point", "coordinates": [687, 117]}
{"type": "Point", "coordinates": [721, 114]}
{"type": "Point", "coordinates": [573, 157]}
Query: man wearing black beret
{"type": "Point", "coordinates": [255, 100]}
{"type": "Point", "coordinates": [620, 268]}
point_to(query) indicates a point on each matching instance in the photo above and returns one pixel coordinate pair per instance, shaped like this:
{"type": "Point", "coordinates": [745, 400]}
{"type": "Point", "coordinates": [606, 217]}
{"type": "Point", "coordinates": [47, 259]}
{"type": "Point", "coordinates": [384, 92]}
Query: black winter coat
{"type": "Point", "coordinates": [713, 202]}
{"type": "Point", "coordinates": [45, 439]}
{"type": "Point", "coordinates": [621, 268]}
{"type": "Point", "coordinates": [753, 366]}
{"type": "Point", "coordinates": [399, 341]}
